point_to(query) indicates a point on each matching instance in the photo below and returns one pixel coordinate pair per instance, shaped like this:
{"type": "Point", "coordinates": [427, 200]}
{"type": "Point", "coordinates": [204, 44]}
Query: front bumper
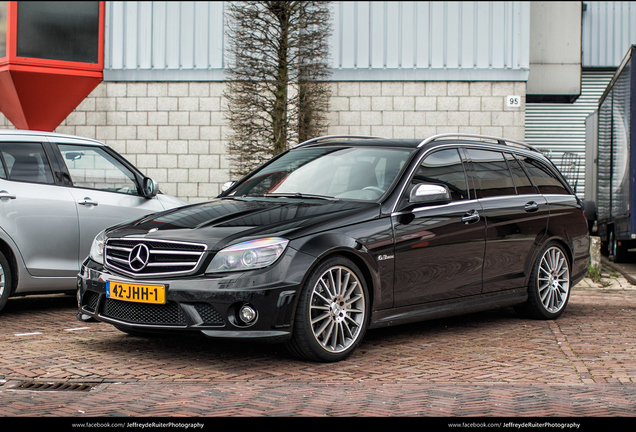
{"type": "Point", "coordinates": [209, 305]}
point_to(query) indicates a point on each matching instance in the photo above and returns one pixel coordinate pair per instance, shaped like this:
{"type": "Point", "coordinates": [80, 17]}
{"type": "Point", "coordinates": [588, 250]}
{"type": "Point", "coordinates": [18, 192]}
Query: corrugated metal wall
{"type": "Point", "coordinates": [162, 40]}
{"type": "Point", "coordinates": [560, 128]}
{"type": "Point", "coordinates": [608, 29]}
{"type": "Point", "coordinates": [382, 40]}
{"type": "Point", "coordinates": [379, 40]}
{"type": "Point", "coordinates": [372, 40]}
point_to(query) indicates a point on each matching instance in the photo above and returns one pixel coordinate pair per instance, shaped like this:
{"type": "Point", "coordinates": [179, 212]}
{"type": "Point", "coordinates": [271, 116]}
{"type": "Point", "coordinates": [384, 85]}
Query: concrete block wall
{"type": "Point", "coordinates": [172, 131]}
{"type": "Point", "coordinates": [421, 109]}
{"type": "Point", "coordinates": [175, 132]}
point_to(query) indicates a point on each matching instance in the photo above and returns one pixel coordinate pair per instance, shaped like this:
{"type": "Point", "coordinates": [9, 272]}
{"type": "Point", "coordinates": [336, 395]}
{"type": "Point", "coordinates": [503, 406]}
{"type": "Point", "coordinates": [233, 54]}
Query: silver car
{"type": "Point", "coordinates": [57, 192]}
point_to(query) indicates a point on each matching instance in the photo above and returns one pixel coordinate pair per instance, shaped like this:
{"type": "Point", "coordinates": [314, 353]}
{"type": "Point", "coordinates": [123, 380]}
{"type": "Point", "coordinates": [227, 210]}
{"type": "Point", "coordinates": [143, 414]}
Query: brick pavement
{"type": "Point", "coordinates": [487, 364]}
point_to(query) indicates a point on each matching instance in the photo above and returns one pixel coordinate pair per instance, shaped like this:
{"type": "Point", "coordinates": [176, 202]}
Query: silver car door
{"type": "Point", "coordinates": [105, 191]}
{"type": "Point", "coordinates": [38, 215]}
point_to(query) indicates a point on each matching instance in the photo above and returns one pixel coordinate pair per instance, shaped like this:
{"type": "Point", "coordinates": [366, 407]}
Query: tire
{"type": "Point", "coordinates": [5, 281]}
{"type": "Point", "coordinates": [550, 285]}
{"type": "Point", "coordinates": [617, 253]}
{"type": "Point", "coordinates": [332, 313]}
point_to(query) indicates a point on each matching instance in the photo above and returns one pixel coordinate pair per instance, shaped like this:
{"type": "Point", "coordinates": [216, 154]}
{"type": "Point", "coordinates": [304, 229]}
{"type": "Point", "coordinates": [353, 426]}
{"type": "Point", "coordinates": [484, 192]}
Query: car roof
{"type": "Point", "coordinates": [429, 142]}
{"type": "Point", "coordinates": [22, 132]}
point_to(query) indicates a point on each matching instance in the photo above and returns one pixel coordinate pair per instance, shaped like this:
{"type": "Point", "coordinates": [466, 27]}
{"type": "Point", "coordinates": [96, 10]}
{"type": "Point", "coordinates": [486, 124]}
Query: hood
{"type": "Point", "coordinates": [227, 220]}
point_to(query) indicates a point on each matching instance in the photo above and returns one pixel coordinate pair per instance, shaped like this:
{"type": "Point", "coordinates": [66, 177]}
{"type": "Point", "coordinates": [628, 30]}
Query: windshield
{"type": "Point", "coordinates": [360, 173]}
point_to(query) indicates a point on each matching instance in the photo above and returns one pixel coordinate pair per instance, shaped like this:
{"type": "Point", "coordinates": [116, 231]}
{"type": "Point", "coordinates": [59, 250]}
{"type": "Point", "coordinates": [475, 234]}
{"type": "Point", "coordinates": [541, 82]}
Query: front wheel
{"type": "Point", "coordinates": [549, 288]}
{"type": "Point", "coordinates": [332, 313]}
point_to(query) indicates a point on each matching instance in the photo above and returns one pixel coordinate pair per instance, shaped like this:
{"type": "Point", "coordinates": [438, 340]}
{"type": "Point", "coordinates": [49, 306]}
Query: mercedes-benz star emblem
{"type": "Point", "coordinates": [138, 258]}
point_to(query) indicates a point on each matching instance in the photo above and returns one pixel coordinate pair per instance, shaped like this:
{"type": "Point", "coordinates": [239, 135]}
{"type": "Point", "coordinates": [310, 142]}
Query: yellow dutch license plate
{"type": "Point", "coordinates": [155, 294]}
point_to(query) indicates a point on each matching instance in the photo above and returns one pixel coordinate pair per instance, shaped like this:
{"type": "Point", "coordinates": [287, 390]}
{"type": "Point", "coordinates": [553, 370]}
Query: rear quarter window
{"type": "Point", "coordinates": [26, 162]}
{"type": "Point", "coordinates": [522, 182]}
{"type": "Point", "coordinates": [543, 178]}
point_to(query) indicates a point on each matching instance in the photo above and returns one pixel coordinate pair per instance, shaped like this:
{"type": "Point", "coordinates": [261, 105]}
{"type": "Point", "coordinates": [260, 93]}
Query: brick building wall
{"type": "Point", "coordinates": [174, 131]}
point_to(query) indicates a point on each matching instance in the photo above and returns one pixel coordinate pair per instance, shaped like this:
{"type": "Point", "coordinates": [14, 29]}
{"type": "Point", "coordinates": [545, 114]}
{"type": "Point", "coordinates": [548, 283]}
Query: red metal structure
{"type": "Point", "coordinates": [54, 58]}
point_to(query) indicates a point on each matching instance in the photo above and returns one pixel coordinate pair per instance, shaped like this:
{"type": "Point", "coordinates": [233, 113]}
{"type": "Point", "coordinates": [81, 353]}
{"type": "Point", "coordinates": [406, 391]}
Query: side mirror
{"type": "Point", "coordinates": [430, 194]}
{"type": "Point", "coordinates": [150, 188]}
{"type": "Point", "coordinates": [227, 185]}
{"type": "Point", "coordinates": [73, 156]}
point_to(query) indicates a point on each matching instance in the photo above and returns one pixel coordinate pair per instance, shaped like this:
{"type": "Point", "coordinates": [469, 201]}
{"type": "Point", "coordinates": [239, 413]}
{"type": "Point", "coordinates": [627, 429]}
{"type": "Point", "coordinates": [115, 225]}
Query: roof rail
{"type": "Point", "coordinates": [504, 141]}
{"type": "Point", "coordinates": [328, 137]}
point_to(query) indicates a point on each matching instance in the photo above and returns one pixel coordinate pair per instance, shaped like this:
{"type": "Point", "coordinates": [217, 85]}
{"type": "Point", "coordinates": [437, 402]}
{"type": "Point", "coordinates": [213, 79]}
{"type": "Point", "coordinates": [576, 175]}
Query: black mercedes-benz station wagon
{"type": "Point", "coordinates": [343, 234]}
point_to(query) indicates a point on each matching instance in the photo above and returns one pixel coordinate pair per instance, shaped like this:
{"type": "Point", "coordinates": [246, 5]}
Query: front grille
{"type": "Point", "coordinates": [140, 257]}
{"type": "Point", "coordinates": [168, 314]}
{"type": "Point", "coordinates": [208, 314]}
{"type": "Point", "coordinates": [141, 313]}
{"type": "Point", "coordinates": [89, 301]}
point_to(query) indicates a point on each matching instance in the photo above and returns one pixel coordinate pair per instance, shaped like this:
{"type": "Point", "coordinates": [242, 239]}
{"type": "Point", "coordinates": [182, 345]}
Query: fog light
{"type": "Point", "coordinates": [247, 314]}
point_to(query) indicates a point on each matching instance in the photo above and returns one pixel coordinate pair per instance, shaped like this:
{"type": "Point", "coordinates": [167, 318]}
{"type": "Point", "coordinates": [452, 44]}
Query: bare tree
{"type": "Point", "coordinates": [277, 91]}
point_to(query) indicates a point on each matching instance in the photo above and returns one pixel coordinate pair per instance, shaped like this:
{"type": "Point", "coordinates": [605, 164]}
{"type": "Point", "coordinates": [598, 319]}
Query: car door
{"type": "Point", "coordinates": [516, 217]}
{"type": "Point", "coordinates": [439, 249]}
{"type": "Point", "coordinates": [105, 190]}
{"type": "Point", "coordinates": [39, 215]}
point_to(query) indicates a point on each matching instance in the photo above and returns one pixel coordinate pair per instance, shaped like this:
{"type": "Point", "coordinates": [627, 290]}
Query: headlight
{"type": "Point", "coordinates": [97, 248]}
{"type": "Point", "coordinates": [248, 255]}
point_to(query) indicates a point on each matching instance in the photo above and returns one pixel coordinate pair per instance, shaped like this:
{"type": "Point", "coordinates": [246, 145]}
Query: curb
{"type": "Point", "coordinates": [631, 279]}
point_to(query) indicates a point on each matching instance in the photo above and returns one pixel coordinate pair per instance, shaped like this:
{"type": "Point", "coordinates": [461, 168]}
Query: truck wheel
{"type": "Point", "coordinates": [617, 251]}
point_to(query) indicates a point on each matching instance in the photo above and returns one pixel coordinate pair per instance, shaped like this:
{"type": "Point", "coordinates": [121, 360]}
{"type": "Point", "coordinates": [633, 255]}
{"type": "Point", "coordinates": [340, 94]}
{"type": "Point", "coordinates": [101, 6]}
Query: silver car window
{"type": "Point", "coordinates": [93, 168]}
{"type": "Point", "coordinates": [26, 162]}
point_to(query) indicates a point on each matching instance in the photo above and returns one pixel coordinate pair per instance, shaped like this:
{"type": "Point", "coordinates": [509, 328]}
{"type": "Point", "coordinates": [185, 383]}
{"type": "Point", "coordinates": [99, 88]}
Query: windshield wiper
{"type": "Point", "coordinates": [299, 195]}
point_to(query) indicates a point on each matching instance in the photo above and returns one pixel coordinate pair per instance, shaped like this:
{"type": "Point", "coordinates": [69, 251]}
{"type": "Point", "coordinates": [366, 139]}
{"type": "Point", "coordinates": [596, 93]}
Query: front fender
{"type": "Point", "coordinates": [362, 245]}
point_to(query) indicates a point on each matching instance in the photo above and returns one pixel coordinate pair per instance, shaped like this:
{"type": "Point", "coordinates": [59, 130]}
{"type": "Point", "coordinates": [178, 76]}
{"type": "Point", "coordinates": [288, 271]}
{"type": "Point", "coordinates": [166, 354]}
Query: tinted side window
{"type": "Point", "coordinates": [444, 168]}
{"type": "Point", "coordinates": [543, 178]}
{"type": "Point", "coordinates": [522, 182]}
{"type": "Point", "coordinates": [491, 173]}
{"type": "Point", "coordinates": [26, 162]}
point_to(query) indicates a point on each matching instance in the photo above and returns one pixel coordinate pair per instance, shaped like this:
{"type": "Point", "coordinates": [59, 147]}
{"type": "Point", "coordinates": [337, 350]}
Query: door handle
{"type": "Point", "coordinates": [471, 217]}
{"type": "Point", "coordinates": [531, 207]}
{"type": "Point", "coordinates": [88, 201]}
{"type": "Point", "coordinates": [6, 195]}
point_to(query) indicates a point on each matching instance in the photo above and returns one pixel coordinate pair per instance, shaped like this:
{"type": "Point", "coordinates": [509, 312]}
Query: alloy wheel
{"type": "Point", "coordinates": [337, 309]}
{"type": "Point", "coordinates": [553, 279]}
{"type": "Point", "coordinates": [2, 281]}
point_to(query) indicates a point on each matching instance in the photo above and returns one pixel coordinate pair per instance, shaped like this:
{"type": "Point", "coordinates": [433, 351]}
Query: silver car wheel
{"type": "Point", "coordinates": [553, 279]}
{"type": "Point", "coordinates": [5, 281]}
{"type": "Point", "coordinates": [2, 281]}
{"type": "Point", "coordinates": [337, 309]}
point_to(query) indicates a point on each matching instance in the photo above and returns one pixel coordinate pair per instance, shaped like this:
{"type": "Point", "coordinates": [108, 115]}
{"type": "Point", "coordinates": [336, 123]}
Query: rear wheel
{"type": "Point", "coordinates": [5, 281]}
{"type": "Point", "coordinates": [549, 288]}
{"type": "Point", "coordinates": [332, 313]}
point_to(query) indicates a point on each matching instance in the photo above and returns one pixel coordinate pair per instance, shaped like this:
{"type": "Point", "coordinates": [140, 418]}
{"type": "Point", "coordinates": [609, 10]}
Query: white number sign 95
{"type": "Point", "coordinates": [513, 101]}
